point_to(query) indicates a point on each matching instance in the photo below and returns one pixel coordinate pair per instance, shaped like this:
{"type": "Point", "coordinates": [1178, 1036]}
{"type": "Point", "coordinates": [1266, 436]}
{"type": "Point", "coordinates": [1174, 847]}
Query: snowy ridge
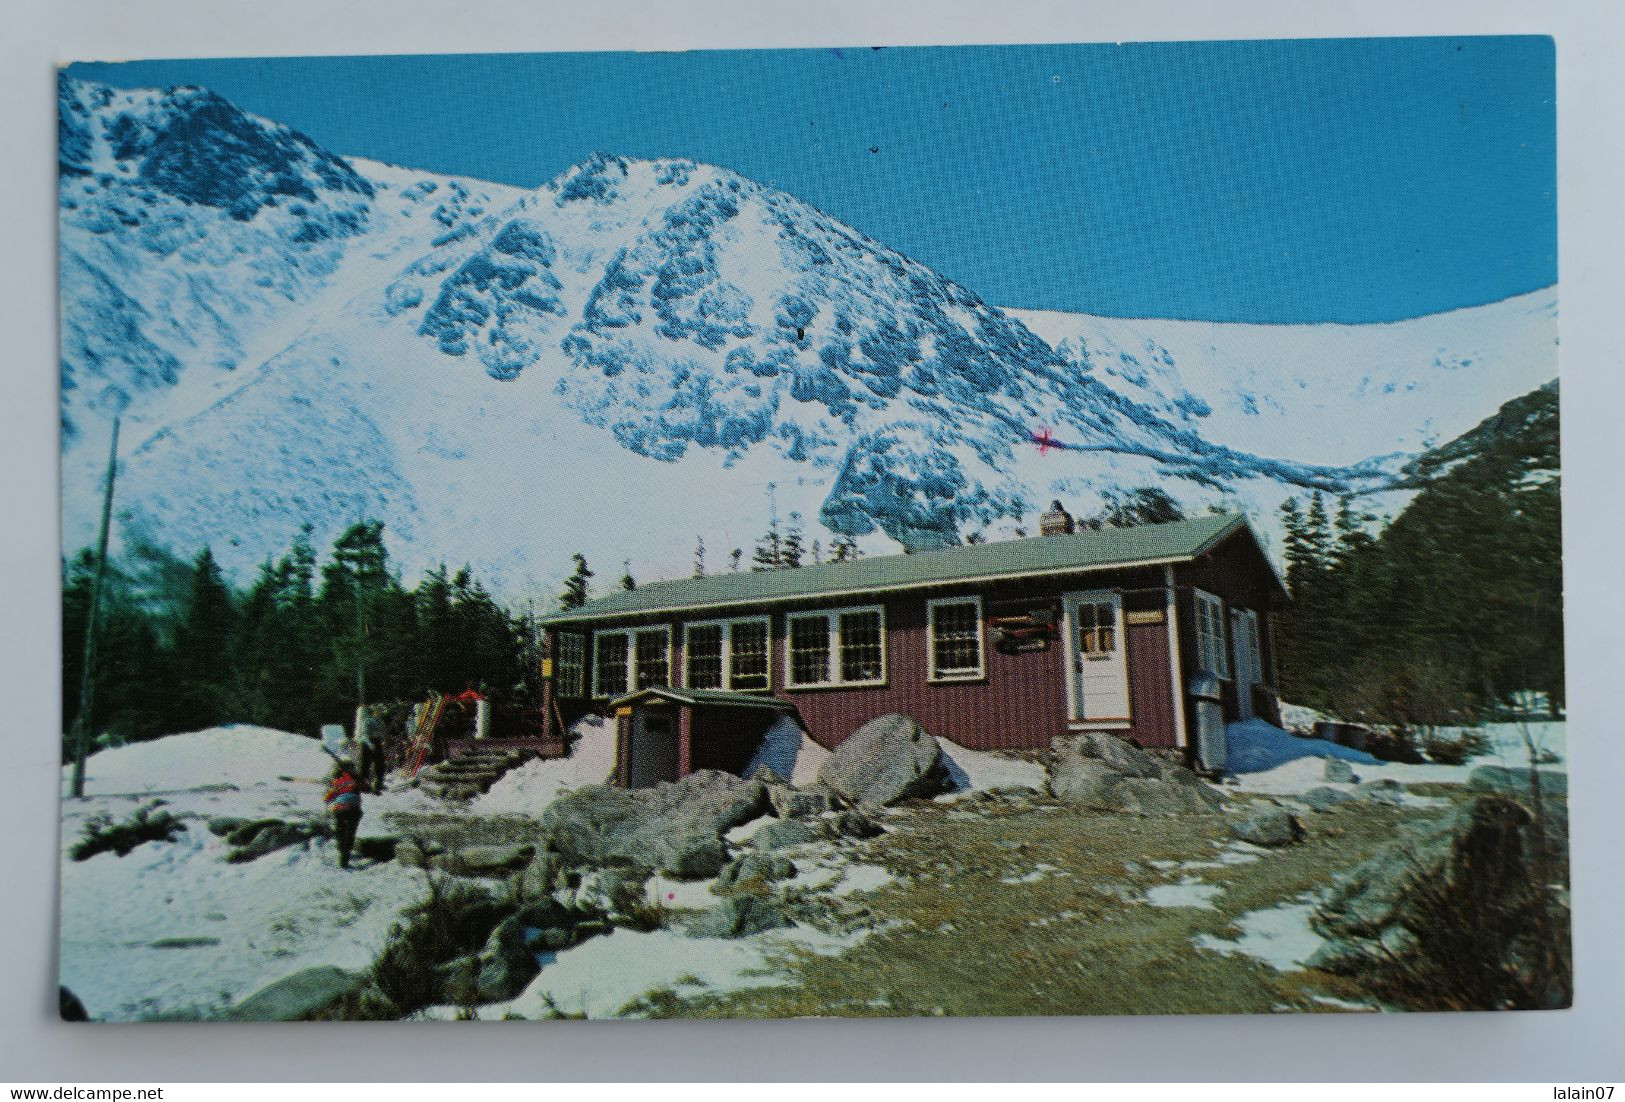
{"type": "Point", "coordinates": [631, 354]}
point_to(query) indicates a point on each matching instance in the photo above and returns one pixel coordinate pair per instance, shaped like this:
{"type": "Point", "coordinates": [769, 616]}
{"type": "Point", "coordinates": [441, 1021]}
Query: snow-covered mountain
{"type": "Point", "coordinates": [629, 356]}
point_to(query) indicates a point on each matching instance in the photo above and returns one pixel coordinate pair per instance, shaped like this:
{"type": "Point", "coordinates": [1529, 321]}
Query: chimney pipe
{"type": "Point", "coordinates": [1056, 522]}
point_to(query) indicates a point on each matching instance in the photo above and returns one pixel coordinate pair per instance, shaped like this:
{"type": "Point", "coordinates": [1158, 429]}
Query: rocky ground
{"type": "Point", "coordinates": [910, 878]}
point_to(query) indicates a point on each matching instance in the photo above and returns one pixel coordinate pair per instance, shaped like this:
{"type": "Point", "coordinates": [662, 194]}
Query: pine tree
{"type": "Point", "coordinates": [1298, 557]}
{"type": "Point", "coordinates": [734, 558]}
{"type": "Point", "coordinates": [699, 556]}
{"type": "Point", "coordinates": [628, 583]}
{"type": "Point", "coordinates": [817, 552]}
{"type": "Point", "coordinates": [575, 586]}
{"type": "Point", "coordinates": [769, 553]}
{"type": "Point", "coordinates": [1318, 532]}
{"type": "Point", "coordinates": [792, 549]}
{"type": "Point", "coordinates": [204, 648]}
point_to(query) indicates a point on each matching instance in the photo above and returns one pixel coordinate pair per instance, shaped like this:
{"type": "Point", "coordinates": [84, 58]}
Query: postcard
{"type": "Point", "coordinates": [1020, 530]}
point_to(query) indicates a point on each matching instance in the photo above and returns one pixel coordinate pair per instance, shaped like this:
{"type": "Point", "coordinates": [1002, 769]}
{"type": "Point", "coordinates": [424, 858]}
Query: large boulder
{"type": "Point", "coordinates": [784, 833]}
{"type": "Point", "coordinates": [738, 916]}
{"type": "Point", "coordinates": [763, 867]}
{"type": "Point", "coordinates": [508, 961]}
{"type": "Point", "coordinates": [1324, 798]}
{"type": "Point", "coordinates": [489, 860]}
{"type": "Point", "coordinates": [675, 828]}
{"type": "Point", "coordinates": [1455, 897]}
{"type": "Point", "coordinates": [298, 997]}
{"type": "Point", "coordinates": [1338, 771]}
{"type": "Point", "coordinates": [1274, 826]}
{"type": "Point", "coordinates": [790, 802]}
{"type": "Point", "coordinates": [886, 760]}
{"type": "Point", "coordinates": [1103, 771]}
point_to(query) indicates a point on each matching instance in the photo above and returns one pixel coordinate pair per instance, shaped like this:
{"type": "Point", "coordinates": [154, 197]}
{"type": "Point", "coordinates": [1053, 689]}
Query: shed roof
{"type": "Point", "coordinates": [715, 697]}
{"type": "Point", "coordinates": [1143, 544]}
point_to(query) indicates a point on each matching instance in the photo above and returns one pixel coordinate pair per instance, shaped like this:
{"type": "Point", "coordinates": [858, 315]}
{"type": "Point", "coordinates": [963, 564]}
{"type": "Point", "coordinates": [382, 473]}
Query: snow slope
{"type": "Point", "coordinates": [173, 928]}
{"type": "Point", "coordinates": [633, 354]}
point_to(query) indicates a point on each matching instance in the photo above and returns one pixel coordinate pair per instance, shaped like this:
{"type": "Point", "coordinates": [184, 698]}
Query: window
{"type": "Point", "coordinates": [653, 658]}
{"type": "Point", "coordinates": [840, 647]}
{"type": "Point", "coordinates": [727, 653]}
{"type": "Point", "coordinates": [747, 655]}
{"type": "Point", "coordinates": [570, 665]}
{"type": "Point", "coordinates": [704, 654]}
{"type": "Point", "coordinates": [630, 659]}
{"type": "Point", "coordinates": [956, 638]}
{"type": "Point", "coordinates": [1097, 627]}
{"type": "Point", "coordinates": [610, 666]}
{"type": "Point", "coordinates": [1210, 648]}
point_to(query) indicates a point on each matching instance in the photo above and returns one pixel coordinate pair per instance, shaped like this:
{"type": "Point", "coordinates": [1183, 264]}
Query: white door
{"type": "Point", "coordinates": [1244, 637]}
{"type": "Point", "coordinates": [1096, 652]}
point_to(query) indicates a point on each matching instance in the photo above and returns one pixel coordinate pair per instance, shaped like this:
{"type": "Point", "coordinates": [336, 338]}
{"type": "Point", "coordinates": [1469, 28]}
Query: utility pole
{"type": "Point", "coordinates": [87, 677]}
{"type": "Point", "coordinates": [360, 655]}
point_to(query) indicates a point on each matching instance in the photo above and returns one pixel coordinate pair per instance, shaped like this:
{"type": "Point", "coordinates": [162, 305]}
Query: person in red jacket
{"type": "Point", "coordinates": [344, 805]}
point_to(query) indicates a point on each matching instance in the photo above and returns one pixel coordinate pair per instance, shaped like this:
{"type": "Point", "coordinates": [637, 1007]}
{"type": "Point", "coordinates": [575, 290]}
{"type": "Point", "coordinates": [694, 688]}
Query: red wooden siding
{"type": "Point", "coordinates": [1237, 573]}
{"type": "Point", "coordinates": [1020, 702]}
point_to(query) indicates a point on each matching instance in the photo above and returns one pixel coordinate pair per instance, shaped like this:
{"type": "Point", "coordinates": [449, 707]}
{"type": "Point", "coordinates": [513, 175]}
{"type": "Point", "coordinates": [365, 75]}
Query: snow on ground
{"type": "Point", "coordinates": [1256, 745]}
{"type": "Point", "coordinates": [1039, 871]}
{"type": "Point", "coordinates": [680, 894]}
{"type": "Point", "coordinates": [532, 786]}
{"type": "Point", "coordinates": [240, 755]}
{"type": "Point", "coordinates": [600, 977]}
{"type": "Point", "coordinates": [1296, 776]}
{"type": "Point", "coordinates": [790, 752]}
{"type": "Point", "coordinates": [1279, 936]}
{"type": "Point", "coordinates": [240, 926]}
{"type": "Point", "coordinates": [1189, 892]}
{"type": "Point", "coordinates": [979, 771]}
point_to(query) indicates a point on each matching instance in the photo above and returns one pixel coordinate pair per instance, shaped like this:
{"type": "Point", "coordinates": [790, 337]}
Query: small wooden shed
{"type": "Point", "coordinates": [664, 734]}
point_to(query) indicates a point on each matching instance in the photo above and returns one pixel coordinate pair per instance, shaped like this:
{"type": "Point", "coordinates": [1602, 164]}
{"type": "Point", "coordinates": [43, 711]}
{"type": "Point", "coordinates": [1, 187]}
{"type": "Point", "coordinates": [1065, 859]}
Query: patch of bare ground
{"type": "Point", "coordinates": [1036, 908]}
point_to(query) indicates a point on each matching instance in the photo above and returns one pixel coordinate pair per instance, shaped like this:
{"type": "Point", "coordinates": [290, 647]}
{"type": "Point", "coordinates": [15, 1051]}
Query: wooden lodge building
{"type": "Point", "coordinates": [1001, 645]}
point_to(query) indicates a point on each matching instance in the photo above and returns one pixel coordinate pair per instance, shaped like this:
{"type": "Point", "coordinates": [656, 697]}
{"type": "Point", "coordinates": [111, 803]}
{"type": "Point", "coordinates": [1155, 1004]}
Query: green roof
{"type": "Point", "coordinates": [708, 696]}
{"type": "Point", "coordinates": [1038, 555]}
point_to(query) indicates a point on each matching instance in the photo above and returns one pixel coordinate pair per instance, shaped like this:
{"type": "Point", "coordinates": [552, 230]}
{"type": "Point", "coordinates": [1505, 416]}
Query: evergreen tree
{"type": "Point", "coordinates": [628, 583]}
{"type": "Point", "coordinates": [734, 558]}
{"type": "Point", "coordinates": [792, 549]}
{"type": "Point", "coordinates": [699, 556]}
{"type": "Point", "coordinates": [769, 553]}
{"type": "Point", "coordinates": [575, 586]}
{"type": "Point", "coordinates": [205, 651]}
{"type": "Point", "coordinates": [817, 552]}
{"type": "Point", "coordinates": [1318, 532]}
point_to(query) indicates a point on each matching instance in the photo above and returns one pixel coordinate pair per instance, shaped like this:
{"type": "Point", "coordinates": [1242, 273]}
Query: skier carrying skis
{"type": "Point", "coordinates": [344, 805]}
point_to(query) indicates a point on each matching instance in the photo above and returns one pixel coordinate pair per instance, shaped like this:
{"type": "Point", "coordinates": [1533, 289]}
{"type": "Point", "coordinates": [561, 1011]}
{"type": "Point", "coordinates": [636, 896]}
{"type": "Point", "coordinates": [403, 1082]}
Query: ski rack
{"type": "Point", "coordinates": [423, 736]}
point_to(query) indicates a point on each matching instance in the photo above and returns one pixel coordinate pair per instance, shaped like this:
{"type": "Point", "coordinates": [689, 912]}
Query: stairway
{"type": "Point", "coordinates": [470, 774]}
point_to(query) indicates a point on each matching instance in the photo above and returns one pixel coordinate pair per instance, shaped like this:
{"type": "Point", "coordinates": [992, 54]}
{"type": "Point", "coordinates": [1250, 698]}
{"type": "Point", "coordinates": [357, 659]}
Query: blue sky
{"type": "Point", "coordinates": [1292, 181]}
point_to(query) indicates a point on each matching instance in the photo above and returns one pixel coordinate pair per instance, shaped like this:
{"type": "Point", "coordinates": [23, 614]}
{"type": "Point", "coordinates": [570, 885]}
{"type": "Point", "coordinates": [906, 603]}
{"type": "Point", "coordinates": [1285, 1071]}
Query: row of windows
{"type": "Point", "coordinates": [839, 647]}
